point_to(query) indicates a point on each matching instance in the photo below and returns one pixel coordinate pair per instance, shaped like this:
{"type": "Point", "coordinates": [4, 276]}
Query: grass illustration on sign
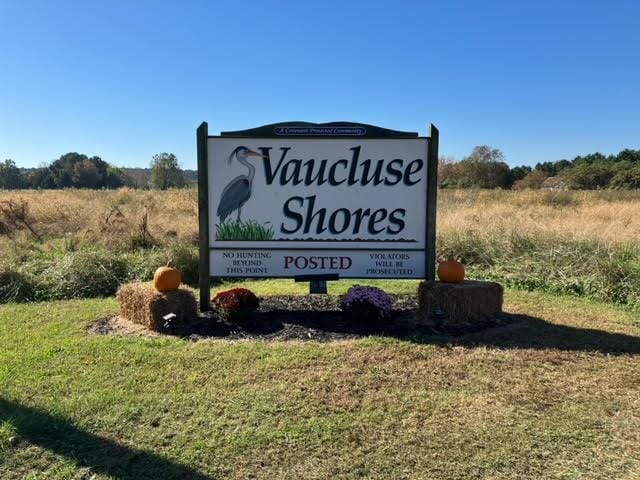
{"type": "Point", "coordinates": [249, 230]}
{"type": "Point", "coordinates": [234, 195]}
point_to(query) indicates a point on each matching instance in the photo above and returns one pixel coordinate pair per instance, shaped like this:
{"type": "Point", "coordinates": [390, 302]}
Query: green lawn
{"type": "Point", "coordinates": [556, 395]}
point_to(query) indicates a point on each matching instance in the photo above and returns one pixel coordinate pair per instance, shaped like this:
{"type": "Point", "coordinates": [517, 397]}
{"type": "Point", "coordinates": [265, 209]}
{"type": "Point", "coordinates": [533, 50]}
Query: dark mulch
{"type": "Point", "coordinates": [311, 317]}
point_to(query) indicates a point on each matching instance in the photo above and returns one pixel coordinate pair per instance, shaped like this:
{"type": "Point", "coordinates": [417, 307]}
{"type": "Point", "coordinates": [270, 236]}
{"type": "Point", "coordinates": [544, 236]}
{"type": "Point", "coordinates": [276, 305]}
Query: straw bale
{"type": "Point", "coordinates": [463, 302]}
{"type": "Point", "coordinates": [141, 303]}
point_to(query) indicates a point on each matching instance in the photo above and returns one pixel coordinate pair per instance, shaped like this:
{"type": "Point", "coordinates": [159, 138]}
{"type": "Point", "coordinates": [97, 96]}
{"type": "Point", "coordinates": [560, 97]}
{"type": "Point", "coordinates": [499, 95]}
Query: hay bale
{"type": "Point", "coordinates": [141, 303]}
{"type": "Point", "coordinates": [468, 301]}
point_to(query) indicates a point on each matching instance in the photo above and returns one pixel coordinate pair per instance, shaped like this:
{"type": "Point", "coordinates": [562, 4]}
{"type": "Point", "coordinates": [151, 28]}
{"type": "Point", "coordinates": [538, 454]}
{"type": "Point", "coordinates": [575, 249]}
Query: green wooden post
{"type": "Point", "coordinates": [202, 136]}
{"type": "Point", "coordinates": [432, 202]}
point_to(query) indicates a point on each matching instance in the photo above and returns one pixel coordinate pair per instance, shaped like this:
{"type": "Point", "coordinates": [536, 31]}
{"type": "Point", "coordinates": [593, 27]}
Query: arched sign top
{"type": "Point", "coordinates": [319, 130]}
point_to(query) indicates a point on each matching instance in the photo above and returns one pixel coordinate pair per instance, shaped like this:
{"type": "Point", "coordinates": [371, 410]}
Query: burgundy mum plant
{"type": "Point", "coordinates": [236, 304]}
{"type": "Point", "coordinates": [367, 303]}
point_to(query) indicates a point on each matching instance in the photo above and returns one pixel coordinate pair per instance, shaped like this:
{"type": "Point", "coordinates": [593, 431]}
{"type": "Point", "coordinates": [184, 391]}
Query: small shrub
{"type": "Point", "coordinates": [14, 216]}
{"type": "Point", "coordinates": [184, 257]}
{"type": "Point", "coordinates": [82, 275]}
{"type": "Point", "coordinates": [236, 304]}
{"type": "Point", "coordinates": [16, 287]}
{"type": "Point", "coordinates": [559, 199]}
{"type": "Point", "coordinates": [470, 247]}
{"type": "Point", "coordinates": [369, 304]}
{"type": "Point", "coordinates": [141, 264]}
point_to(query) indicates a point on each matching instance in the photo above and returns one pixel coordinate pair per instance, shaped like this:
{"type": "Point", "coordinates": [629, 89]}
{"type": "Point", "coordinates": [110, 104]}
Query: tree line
{"type": "Point", "coordinates": [486, 167]}
{"type": "Point", "coordinates": [76, 170]}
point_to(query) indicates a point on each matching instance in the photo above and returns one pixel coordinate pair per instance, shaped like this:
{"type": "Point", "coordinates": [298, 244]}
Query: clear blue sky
{"type": "Point", "coordinates": [126, 79]}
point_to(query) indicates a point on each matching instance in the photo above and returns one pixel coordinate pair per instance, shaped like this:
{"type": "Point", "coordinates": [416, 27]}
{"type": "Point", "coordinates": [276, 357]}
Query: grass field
{"type": "Point", "coordinates": [556, 395]}
{"type": "Point", "coordinates": [87, 242]}
{"type": "Point", "coordinates": [608, 215]}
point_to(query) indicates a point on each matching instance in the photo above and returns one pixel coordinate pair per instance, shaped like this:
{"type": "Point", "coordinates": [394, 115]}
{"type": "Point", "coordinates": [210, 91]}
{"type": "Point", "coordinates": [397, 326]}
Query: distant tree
{"type": "Point", "coordinates": [86, 174]}
{"type": "Point", "coordinates": [10, 176]}
{"type": "Point", "coordinates": [627, 155]}
{"type": "Point", "coordinates": [448, 172]}
{"type": "Point", "coordinates": [136, 177]}
{"type": "Point", "coordinates": [62, 169]}
{"type": "Point", "coordinates": [626, 179]}
{"type": "Point", "coordinates": [589, 175]}
{"type": "Point", "coordinates": [115, 177]}
{"type": "Point", "coordinates": [561, 165]}
{"type": "Point", "coordinates": [553, 168]}
{"type": "Point", "coordinates": [546, 167]}
{"type": "Point", "coordinates": [518, 173]}
{"type": "Point", "coordinates": [533, 180]}
{"type": "Point", "coordinates": [484, 168]}
{"type": "Point", "coordinates": [485, 153]}
{"type": "Point", "coordinates": [41, 177]}
{"type": "Point", "coordinates": [166, 172]}
{"type": "Point", "coordinates": [591, 158]}
{"type": "Point", "coordinates": [79, 171]}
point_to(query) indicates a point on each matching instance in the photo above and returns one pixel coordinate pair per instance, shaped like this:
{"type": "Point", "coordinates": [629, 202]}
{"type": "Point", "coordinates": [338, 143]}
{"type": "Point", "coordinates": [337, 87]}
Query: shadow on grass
{"type": "Point", "coordinates": [508, 331]}
{"type": "Point", "coordinates": [101, 455]}
{"type": "Point", "coordinates": [525, 331]}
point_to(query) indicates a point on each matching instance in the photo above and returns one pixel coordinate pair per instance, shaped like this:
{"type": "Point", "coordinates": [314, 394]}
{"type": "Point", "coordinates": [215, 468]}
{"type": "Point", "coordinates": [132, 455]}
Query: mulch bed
{"type": "Point", "coordinates": [312, 317]}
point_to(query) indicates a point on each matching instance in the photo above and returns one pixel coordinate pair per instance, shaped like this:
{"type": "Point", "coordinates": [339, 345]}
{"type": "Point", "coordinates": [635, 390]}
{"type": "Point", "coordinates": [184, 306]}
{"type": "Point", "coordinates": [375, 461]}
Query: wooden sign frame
{"type": "Point", "coordinates": [311, 130]}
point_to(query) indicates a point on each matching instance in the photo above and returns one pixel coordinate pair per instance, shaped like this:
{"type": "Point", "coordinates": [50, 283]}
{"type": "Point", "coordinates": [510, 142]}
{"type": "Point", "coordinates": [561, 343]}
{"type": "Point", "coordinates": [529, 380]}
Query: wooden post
{"type": "Point", "coordinates": [318, 286]}
{"type": "Point", "coordinates": [432, 200]}
{"type": "Point", "coordinates": [203, 216]}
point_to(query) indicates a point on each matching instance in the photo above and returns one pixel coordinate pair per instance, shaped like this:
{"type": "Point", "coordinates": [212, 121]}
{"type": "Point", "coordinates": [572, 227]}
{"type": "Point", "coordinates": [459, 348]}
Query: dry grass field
{"type": "Point", "coordinates": [109, 217]}
{"type": "Point", "coordinates": [580, 243]}
{"type": "Point", "coordinates": [608, 216]}
{"type": "Point", "coordinates": [612, 217]}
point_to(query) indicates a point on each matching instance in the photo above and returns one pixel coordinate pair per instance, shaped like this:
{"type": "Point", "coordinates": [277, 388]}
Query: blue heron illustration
{"type": "Point", "coordinates": [238, 190]}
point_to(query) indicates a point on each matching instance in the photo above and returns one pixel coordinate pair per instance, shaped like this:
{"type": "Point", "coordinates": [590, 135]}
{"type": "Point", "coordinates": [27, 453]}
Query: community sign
{"type": "Point", "coordinates": [336, 200]}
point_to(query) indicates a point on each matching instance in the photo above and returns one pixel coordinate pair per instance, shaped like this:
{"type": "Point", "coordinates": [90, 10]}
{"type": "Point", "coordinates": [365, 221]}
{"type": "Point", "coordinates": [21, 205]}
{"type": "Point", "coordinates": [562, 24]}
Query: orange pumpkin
{"type": "Point", "coordinates": [451, 271]}
{"type": "Point", "coordinates": [167, 279]}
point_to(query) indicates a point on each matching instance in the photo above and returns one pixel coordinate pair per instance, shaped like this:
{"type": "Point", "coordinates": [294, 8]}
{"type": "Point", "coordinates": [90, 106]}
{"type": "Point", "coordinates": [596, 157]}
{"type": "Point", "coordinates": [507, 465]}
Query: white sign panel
{"type": "Point", "coordinates": [284, 207]}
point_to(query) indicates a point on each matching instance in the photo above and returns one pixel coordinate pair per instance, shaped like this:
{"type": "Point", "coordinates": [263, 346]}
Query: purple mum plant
{"type": "Point", "coordinates": [367, 303]}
